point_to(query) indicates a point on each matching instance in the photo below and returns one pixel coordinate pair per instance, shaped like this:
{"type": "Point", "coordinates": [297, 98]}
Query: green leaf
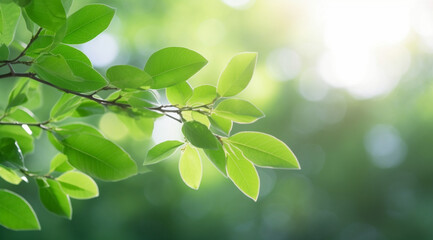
{"type": "Point", "coordinates": [190, 167]}
{"type": "Point", "coordinates": [88, 77]}
{"type": "Point", "coordinates": [238, 110]}
{"type": "Point", "coordinates": [24, 139]}
{"type": "Point", "coordinates": [48, 14]}
{"type": "Point", "coordinates": [16, 213]}
{"type": "Point", "coordinates": [237, 74]}
{"type": "Point", "coordinates": [40, 45]}
{"type": "Point", "coordinates": [53, 197]}
{"type": "Point", "coordinates": [173, 65]}
{"type": "Point", "coordinates": [218, 158]}
{"type": "Point", "coordinates": [10, 152]}
{"type": "Point", "coordinates": [4, 52]}
{"type": "Point", "coordinates": [162, 151]}
{"type": "Point", "coordinates": [179, 93]}
{"type": "Point", "coordinates": [139, 127]}
{"type": "Point", "coordinates": [30, 25]}
{"type": "Point", "coordinates": [22, 3]}
{"type": "Point", "coordinates": [60, 164]}
{"type": "Point", "coordinates": [201, 118]}
{"type": "Point", "coordinates": [126, 76]}
{"type": "Point", "coordinates": [219, 125]}
{"type": "Point", "coordinates": [68, 130]}
{"type": "Point", "coordinates": [242, 172]}
{"type": "Point", "coordinates": [78, 185]}
{"type": "Point", "coordinates": [88, 108]}
{"type": "Point", "coordinates": [199, 135]}
{"type": "Point", "coordinates": [264, 150]}
{"type": "Point", "coordinates": [65, 107]}
{"type": "Point", "coordinates": [101, 159]}
{"type": "Point", "coordinates": [10, 175]}
{"type": "Point", "coordinates": [9, 16]}
{"type": "Point", "coordinates": [87, 23]}
{"type": "Point", "coordinates": [72, 75]}
{"type": "Point", "coordinates": [26, 116]}
{"type": "Point", "coordinates": [71, 53]}
{"type": "Point", "coordinates": [142, 99]}
{"type": "Point", "coordinates": [18, 95]}
{"type": "Point", "coordinates": [202, 95]}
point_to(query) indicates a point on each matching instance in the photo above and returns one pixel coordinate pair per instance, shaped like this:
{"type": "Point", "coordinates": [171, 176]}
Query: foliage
{"type": "Point", "coordinates": [206, 112]}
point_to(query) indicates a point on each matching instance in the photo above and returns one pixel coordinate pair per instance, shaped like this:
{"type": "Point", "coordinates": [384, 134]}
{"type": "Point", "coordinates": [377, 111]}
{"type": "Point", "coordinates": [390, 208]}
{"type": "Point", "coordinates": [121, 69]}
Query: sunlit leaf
{"type": "Point", "coordinates": [264, 150]}
{"type": "Point", "coordinates": [238, 110]}
{"type": "Point", "coordinates": [78, 185]}
{"type": "Point", "coordinates": [242, 172]}
{"type": "Point", "coordinates": [173, 65]}
{"type": "Point", "coordinates": [53, 198]}
{"type": "Point", "coordinates": [237, 74]}
{"type": "Point", "coordinates": [162, 151]}
{"type": "Point", "coordinates": [190, 167]}
{"type": "Point", "coordinates": [16, 213]}
{"type": "Point", "coordinates": [87, 23]}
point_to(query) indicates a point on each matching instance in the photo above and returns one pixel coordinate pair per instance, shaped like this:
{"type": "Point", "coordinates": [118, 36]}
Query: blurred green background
{"type": "Point", "coordinates": [348, 85]}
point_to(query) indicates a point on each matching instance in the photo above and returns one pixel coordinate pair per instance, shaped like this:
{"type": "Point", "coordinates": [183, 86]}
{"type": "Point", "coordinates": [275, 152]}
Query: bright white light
{"type": "Point", "coordinates": [27, 129]}
{"type": "Point", "coordinates": [284, 64]}
{"type": "Point", "coordinates": [165, 129]}
{"type": "Point", "coordinates": [385, 146]}
{"type": "Point", "coordinates": [238, 4]}
{"type": "Point", "coordinates": [364, 45]}
{"type": "Point", "coordinates": [102, 50]}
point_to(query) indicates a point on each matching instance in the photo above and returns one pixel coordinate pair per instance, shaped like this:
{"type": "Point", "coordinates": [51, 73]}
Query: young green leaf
{"type": "Point", "coordinates": [218, 158]}
{"type": "Point", "coordinates": [87, 23]}
{"type": "Point", "coordinates": [238, 110]}
{"type": "Point", "coordinates": [201, 118]}
{"type": "Point", "coordinates": [173, 65]}
{"type": "Point", "coordinates": [264, 150]}
{"type": "Point", "coordinates": [53, 197]}
{"type": "Point", "coordinates": [126, 76]}
{"type": "Point", "coordinates": [101, 159]}
{"type": "Point", "coordinates": [65, 106]}
{"type": "Point", "coordinates": [162, 151]}
{"type": "Point", "coordinates": [48, 14]}
{"type": "Point", "coordinates": [190, 167]}
{"type": "Point", "coordinates": [68, 130]}
{"type": "Point", "coordinates": [16, 213]}
{"type": "Point", "coordinates": [60, 164]}
{"type": "Point", "coordinates": [219, 125]}
{"type": "Point", "coordinates": [139, 127]}
{"type": "Point", "coordinates": [71, 53]}
{"type": "Point", "coordinates": [179, 93]}
{"type": "Point", "coordinates": [10, 14]}
{"type": "Point", "coordinates": [9, 175]}
{"type": "Point", "coordinates": [10, 152]}
{"type": "Point", "coordinates": [78, 185]}
{"type": "Point", "coordinates": [202, 95]}
{"type": "Point", "coordinates": [237, 74]}
{"type": "Point", "coordinates": [242, 172]}
{"type": "Point", "coordinates": [199, 135]}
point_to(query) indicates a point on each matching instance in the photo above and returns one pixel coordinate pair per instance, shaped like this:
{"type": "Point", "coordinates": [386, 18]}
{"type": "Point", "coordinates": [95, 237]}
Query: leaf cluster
{"type": "Point", "coordinates": [207, 113]}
